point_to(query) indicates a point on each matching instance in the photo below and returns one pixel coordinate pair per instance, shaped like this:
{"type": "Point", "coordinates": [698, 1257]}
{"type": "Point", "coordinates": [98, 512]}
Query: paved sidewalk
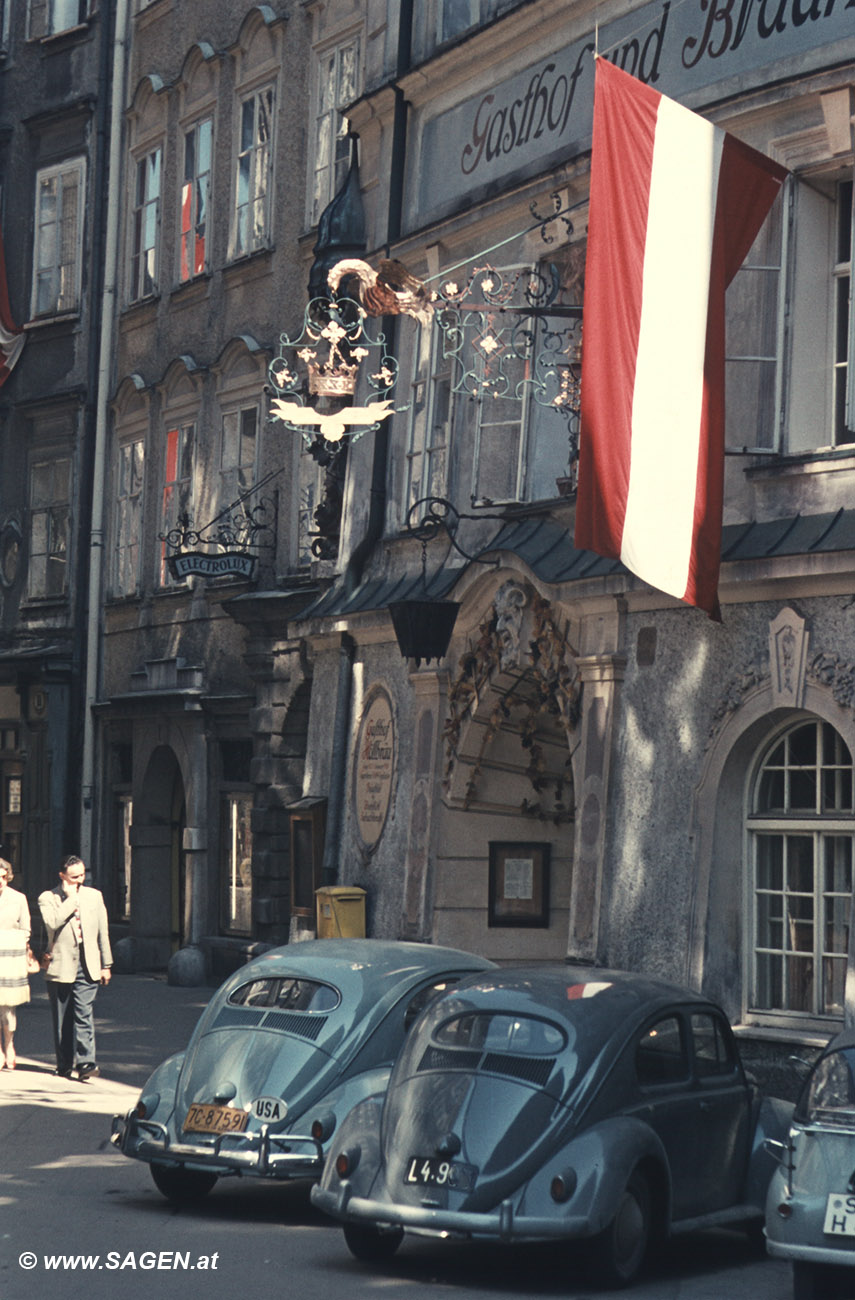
{"type": "Point", "coordinates": [139, 1020]}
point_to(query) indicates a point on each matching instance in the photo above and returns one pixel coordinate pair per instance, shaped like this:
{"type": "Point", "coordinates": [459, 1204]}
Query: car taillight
{"type": "Point", "coordinates": [563, 1186]}
{"type": "Point", "coordinates": [147, 1105]}
{"type": "Point", "coordinates": [346, 1161]}
{"type": "Point", "coordinates": [322, 1127]}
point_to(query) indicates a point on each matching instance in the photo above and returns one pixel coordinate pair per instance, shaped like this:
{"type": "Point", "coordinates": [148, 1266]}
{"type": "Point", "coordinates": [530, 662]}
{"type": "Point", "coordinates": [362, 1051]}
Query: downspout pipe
{"type": "Point", "coordinates": [377, 500]}
{"type": "Point", "coordinates": [106, 355]}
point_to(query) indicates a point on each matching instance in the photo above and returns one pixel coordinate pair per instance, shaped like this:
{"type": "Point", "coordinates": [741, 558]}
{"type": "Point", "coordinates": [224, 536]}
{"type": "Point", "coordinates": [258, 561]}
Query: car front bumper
{"type": "Point", "coordinates": [501, 1224]}
{"type": "Point", "coordinates": [260, 1153]}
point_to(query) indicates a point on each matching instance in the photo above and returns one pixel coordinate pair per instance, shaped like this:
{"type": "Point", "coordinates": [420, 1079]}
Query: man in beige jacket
{"type": "Point", "coordinates": [80, 959]}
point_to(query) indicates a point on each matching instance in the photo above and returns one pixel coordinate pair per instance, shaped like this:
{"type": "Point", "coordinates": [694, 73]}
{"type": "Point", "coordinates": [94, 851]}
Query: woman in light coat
{"type": "Point", "coordinates": [14, 984]}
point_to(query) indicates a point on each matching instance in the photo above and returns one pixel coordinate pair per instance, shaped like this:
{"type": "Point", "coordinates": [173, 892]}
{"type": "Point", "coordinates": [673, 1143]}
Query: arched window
{"type": "Point", "coordinates": [801, 829]}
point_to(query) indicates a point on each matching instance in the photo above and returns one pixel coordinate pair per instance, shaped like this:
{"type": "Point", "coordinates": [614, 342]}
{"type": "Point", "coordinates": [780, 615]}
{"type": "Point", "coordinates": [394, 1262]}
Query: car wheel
{"type": "Point", "coordinates": [370, 1244]}
{"type": "Point", "coordinates": [179, 1184]}
{"type": "Point", "coordinates": [617, 1253]}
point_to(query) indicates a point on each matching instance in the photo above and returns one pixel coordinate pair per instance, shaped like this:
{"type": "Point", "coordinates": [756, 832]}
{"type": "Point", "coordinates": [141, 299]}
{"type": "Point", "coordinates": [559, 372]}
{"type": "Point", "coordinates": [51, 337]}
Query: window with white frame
{"type": "Point", "coordinates": [239, 451]}
{"type": "Point", "coordinates": [195, 199]}
{"type": "Point", "coordinates": [431, 410]}
{"type": "Point", "coordinates": [801, 829]}
{"type": "Point", "coordinates": [50, 507]}
{"type": "Point", "coordinates": [58, 244]}
{"type": "Point", "coordinates": [754, 313]}
{"type": "Point", "coordinates": [520, 445]}
{"type": "Point", "coordinates": [821, 396]}
{"type": "Point", "coordinates": [177, 500]}
{"type": "Point", "coordinates": [48, 17]}
{"type": "Point", "coordinates": [145, 226]}
{"type": "Point", "coordinates": [338, 84]}
{"type": "Point", "coordinates": [129, 499]}
{"type": "Point", "coordinates": [253, 173]}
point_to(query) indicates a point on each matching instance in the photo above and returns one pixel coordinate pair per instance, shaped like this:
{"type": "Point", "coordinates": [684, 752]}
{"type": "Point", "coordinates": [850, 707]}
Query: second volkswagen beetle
{"type": "Point", "coordinates": [540, 1103]}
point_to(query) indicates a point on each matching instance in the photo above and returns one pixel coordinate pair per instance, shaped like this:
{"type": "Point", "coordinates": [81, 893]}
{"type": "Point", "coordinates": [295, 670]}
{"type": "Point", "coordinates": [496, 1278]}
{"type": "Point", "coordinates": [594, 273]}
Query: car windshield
{"type": "Point", "coordinates": [830, 1091]}
{"type": "Point", "coordinates": [492, 1032]}
{"type": "Point", "coordinates": [286, 995]}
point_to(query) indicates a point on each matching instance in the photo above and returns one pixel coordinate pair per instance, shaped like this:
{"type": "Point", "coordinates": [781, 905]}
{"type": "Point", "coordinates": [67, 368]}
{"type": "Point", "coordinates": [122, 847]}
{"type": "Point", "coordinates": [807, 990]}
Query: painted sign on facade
{"type": "Point", "coordinates": [374, 767]}
{"type": "Point", "coordinates": [542, 114]}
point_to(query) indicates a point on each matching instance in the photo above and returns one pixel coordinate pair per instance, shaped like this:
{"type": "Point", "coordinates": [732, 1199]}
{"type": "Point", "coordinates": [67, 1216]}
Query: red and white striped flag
{"type": "Point", "coordinates": [675, 206]}
{"type": "Point", "coordinates": [11, 337]}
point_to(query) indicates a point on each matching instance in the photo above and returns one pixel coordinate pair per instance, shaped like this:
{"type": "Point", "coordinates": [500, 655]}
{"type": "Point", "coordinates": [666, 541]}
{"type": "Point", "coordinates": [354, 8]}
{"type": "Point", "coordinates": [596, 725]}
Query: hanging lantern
{"type": "Point", "coordinates": [423, 628]}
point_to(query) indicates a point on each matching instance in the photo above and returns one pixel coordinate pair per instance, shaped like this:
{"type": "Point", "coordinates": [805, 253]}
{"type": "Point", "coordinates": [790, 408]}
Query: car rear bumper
{"type": "Point", "coordinates": [501, 1224]}
{"type": "Point", "coordinates": [843, 1256]}
{"type": "Point", "coordinates": [260, 1153]}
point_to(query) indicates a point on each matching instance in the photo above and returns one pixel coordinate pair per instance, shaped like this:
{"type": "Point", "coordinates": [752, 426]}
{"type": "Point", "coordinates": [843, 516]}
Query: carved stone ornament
{"type": "Point", "coordinates": [788, 643]}
{"type": "Point", "coordinates": [511, 599]}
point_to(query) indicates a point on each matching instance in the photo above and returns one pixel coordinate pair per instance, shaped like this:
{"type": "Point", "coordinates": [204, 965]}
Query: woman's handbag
{"type": "Point", "coordinates": [34, 965]}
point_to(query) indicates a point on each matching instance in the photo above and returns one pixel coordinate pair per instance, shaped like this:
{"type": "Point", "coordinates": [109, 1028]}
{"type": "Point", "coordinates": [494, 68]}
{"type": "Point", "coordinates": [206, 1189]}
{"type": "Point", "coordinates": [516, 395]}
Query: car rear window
{"type": "Point", "coordinates": [492, 1032]}
{"type": "Point", "coordinates": [829, 1096]}
{"type": "Point", "coordinates": [286, 995]}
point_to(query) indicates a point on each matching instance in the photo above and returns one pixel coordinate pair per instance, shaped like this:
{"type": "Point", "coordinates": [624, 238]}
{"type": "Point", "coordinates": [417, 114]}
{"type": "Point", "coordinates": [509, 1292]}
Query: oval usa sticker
{"type": "Point", "coordinates": [269, 1109]}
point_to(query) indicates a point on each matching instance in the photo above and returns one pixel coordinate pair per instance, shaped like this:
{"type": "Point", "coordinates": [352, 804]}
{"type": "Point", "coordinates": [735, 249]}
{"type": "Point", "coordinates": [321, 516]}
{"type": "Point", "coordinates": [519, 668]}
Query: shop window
{"type": "Point", "coordinates": [124, 819]}
{"type": "Point", "coordinates": [801, 829]}
{"type": "Point", "coordinates": [177, 503]}
{"type": "Point", "coordinates": [338, 81]}
{"type": "Point", "coordinates": [129, 499]}
{"type": "Point", "coordinates": [251, 228]}
{"type": "Point", "coordinates": [236, 862]}
{"type": "Point", "coordinates": [195, 199]}
{"type": "Point", "coordinates": [145, 226]}
{"type": "Point", "coordinates": [50, 484]}
{"type": "Point", "coordinates": [57, 255]}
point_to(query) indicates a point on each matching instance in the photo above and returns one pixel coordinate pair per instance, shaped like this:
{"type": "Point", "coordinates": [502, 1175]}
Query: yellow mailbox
{"type": "Point", "coordinates": [340, 912]}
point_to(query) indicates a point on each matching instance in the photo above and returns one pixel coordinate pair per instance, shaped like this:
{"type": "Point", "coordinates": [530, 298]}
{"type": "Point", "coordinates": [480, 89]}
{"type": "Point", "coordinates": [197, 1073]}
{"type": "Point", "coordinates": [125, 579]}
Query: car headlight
{"type": "Point", "coordinates": [563, 1185]}
{"type": "Point", "coordinates": [147, 1105]}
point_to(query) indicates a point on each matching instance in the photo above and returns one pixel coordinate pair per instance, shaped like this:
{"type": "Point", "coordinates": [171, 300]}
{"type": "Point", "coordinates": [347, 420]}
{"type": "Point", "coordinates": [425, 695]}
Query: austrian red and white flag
{"type": "Point", "coordinates": [676, 203]}
{"type": "Point", "coordinates": [11, 337]}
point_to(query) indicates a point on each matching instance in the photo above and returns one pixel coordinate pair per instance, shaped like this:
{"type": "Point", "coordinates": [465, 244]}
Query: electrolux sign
{"type": "Point", "coordinates": [544, 112]}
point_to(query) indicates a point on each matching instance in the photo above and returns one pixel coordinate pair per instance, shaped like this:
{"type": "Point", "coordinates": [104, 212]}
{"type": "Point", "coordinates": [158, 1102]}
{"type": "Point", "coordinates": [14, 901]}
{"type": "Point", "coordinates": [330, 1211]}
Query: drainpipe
{"type": "Point", "coordinates": [105, 366]}
{"type": "Point", "coordinates": [377, 500]}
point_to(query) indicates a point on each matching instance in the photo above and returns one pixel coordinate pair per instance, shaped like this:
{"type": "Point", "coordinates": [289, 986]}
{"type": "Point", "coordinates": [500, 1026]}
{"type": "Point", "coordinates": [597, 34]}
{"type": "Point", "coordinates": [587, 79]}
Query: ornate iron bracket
{"type": "Point", "coordinates": [441, 514]}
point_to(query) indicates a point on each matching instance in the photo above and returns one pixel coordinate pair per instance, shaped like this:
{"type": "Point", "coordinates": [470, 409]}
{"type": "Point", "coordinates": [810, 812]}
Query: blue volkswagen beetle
{"type": "Point", "coordinates": [554, 1102]}
{"type": "Point", "coordinates": [285, 1048]}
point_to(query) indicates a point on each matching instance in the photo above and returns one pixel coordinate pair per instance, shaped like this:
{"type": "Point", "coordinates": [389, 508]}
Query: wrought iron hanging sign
{"type": "Point", "coordinates": [323, 362]}
{"type": "Point", "coordinates": [229, 539]}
